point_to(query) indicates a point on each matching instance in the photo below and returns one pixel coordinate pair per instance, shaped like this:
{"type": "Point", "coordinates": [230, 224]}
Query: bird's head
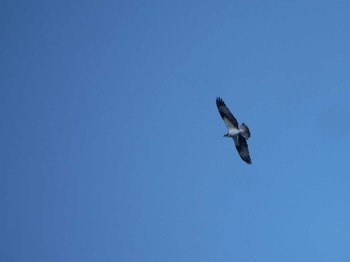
{"type": "Point", "coordinates": [226, 135]}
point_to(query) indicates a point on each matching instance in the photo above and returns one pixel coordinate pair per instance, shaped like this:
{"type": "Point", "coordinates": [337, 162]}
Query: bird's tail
{"type": "Point", "coordinates": [245, 131]}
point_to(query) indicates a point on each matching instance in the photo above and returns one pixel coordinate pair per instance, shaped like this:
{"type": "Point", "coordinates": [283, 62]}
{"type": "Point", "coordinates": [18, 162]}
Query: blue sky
{"type": "Point", "coordinates": [112, 148]}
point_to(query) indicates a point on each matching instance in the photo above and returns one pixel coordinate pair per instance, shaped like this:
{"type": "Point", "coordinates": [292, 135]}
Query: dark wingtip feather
{"type": "Point", "coordinates": [219, 101]}
{"type": "Point", "coordinates": [247, 160]}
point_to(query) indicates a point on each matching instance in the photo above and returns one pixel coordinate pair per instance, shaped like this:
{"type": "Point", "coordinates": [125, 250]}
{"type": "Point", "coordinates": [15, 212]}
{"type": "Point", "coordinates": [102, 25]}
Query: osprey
{"type": "Point", "coordinates": [240, 134]}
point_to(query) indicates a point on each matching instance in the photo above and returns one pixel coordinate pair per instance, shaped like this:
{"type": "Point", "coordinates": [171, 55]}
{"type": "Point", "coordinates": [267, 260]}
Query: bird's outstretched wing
{"type": "Point", "coordinates": [242, 148]}
{"type": "Point", "coordinates": [226, 115]}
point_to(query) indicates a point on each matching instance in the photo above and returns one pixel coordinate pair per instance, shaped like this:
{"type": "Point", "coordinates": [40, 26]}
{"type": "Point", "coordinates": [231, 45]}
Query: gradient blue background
{"type": "Point", "coordinates": [112, 147]}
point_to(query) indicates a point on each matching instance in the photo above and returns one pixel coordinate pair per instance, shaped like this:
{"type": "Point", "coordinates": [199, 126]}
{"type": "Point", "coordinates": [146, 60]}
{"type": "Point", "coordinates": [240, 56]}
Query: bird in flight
{"type": "Point", "coordinates": [240, 134]}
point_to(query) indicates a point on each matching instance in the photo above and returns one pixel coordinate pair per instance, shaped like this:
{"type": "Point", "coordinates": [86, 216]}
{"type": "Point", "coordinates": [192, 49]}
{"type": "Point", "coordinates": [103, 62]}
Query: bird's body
{"type": "Point", "coordinates": [240, 134]}
{"type": "Point", "coordinates": [234, 131]}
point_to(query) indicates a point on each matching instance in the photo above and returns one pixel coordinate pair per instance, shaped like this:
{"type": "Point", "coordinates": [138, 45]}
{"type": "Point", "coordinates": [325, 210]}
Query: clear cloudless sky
{"type": "Point", "coordinates": [112, 148]}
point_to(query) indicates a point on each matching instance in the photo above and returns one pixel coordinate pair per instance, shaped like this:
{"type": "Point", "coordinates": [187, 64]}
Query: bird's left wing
{"type": "Point", "coordinates": [226, 115]}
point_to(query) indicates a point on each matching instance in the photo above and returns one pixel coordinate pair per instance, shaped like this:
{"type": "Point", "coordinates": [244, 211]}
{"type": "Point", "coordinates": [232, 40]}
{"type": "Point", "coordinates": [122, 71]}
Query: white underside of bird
{"type": "Point", "coordinates": [234, 131]}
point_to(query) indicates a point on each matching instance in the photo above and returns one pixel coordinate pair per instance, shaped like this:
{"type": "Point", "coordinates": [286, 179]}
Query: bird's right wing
{"type": "Point", "coordinates": [242, 148]}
